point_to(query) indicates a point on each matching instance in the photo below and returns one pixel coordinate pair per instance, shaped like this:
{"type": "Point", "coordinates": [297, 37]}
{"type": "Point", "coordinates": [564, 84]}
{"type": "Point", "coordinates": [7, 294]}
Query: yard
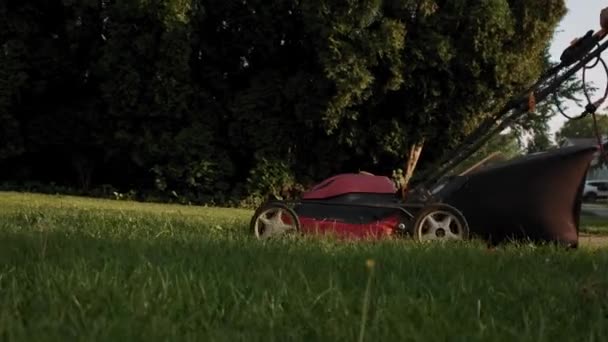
{"type": "Point", "coordinates": [76, 268]}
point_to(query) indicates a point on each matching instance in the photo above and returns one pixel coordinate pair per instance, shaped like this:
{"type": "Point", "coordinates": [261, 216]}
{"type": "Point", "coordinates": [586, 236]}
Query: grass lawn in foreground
{"type": "Point", "coordinates": [73, 268]}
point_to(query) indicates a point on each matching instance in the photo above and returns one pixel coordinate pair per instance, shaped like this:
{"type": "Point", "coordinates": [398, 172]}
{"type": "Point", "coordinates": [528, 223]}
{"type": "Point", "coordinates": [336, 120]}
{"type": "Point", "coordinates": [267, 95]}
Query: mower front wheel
{"type": "Point", "coordinates": [440, 222]}
{"type": "Point", "coordinates": [274, 219]}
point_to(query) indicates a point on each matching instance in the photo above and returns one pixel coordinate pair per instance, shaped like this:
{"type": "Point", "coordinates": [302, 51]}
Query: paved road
{"type": "Point", "coordinates": [600, 210]}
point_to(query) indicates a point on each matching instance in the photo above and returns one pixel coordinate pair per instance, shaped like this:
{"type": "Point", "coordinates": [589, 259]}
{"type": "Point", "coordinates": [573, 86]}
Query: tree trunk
{"type": "Point", "coordinates": [410, 166]}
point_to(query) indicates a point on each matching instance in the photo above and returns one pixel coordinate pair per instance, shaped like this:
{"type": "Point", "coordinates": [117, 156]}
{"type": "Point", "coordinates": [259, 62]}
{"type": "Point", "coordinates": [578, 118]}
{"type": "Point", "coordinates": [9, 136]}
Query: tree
{"type": "Point", "coordinates": [461, 61]}
{"type": "Point", "coordinates": [539, 142]}
{"type": "Point", "coordinates": [536, 125]}
{"type": "Point", "coordinates": [47, 99]}
{"type": "Point", "coordinates": [583, 128]}
{"type": "Point", "coordinates": [500, 147]}
{"type": "Point", "coordinates": [211, 99]}
{"type": "Point", "coordinates": [11, 79]}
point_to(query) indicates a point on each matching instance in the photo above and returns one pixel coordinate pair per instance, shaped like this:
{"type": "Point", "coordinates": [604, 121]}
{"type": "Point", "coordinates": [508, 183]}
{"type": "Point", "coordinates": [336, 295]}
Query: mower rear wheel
{"type": "Point", "coordinates": [440, 222]}
{"type": "Point", "coordinates": [274, 219]}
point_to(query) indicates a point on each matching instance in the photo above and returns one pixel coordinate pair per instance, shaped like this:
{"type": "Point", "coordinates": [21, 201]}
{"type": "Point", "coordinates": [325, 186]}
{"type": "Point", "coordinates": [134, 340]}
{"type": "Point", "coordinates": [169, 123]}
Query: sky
{"type": "Point", "coordinates": [583, 15]}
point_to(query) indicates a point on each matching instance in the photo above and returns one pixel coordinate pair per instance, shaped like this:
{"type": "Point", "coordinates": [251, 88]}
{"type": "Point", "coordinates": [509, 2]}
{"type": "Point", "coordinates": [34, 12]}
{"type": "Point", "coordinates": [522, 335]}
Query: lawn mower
{"type": "Point", "coordinates": [537, 197]}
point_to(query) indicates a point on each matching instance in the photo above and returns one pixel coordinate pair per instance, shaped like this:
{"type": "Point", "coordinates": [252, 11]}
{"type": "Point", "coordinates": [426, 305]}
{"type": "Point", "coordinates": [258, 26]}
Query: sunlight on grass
{"type": "Point", "coordinates": [11, 202]}
{"type": "Point", "coordinates": [75, 268]}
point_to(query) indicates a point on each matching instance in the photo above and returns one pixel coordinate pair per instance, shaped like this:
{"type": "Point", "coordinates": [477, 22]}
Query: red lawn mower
{"type": "Point", "coordinates": [536, 197]}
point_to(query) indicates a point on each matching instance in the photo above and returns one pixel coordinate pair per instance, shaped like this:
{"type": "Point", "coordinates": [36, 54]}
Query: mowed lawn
{"type": "Point", "coordinates": [84, 269]}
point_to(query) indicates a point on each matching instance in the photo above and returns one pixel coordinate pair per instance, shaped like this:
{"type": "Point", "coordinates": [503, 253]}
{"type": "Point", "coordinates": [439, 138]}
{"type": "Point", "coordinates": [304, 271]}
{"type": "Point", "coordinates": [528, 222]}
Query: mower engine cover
{"type": "Point", "coordinates": [338, 206]}
{"type": "Point", "coordinates": [351, 183]}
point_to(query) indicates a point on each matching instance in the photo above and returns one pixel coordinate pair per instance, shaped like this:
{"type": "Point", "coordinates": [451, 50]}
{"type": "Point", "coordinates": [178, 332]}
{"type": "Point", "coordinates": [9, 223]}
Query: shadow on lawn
{"type": "Point", "coordinates": [237, 247]}
{"type": "Point", "coordinates": [64, 248]}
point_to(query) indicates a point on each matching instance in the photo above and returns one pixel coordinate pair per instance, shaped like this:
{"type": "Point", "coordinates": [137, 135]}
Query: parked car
{"type": "Point", "coordinates": [595, 189]}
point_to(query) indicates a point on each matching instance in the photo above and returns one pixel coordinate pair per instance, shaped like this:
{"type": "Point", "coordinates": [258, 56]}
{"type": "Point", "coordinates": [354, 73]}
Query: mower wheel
{"type": "Point", "coordinates": [440, 222]}
{"type": "Point", "coordinates": [274, 219]}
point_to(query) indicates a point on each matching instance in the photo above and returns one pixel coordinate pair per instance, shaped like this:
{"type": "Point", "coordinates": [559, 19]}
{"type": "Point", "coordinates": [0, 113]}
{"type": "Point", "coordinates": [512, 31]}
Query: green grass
{"type": "Point", "coordinates": [80, 269]}
{"type": "Point", "coordinates": [594, 225]}
{"type": "Point", "coordinates": [593, 221]}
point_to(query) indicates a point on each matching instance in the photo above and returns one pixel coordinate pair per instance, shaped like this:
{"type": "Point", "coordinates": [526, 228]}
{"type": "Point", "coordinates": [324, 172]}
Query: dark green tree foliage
{"type": "Point", "coordinates": [12, 79]}
{"type": "Point", "coordinates": [460, 60]}
{"type": "Point", "coordinates": [47, 105]}
{"type": "Point", "coordinates": [583, 128]}
{"type": "Point", "coordinates": [160, 120]}
{"type": "Point", "coordinates": [214, 99]}
{"type": "Point", "coordinates": [492, 49]}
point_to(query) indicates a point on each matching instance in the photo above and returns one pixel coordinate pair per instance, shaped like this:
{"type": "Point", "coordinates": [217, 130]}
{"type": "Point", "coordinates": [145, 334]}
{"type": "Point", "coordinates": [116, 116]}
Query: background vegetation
{"type": "Point", "coordinates": [210, 101]}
